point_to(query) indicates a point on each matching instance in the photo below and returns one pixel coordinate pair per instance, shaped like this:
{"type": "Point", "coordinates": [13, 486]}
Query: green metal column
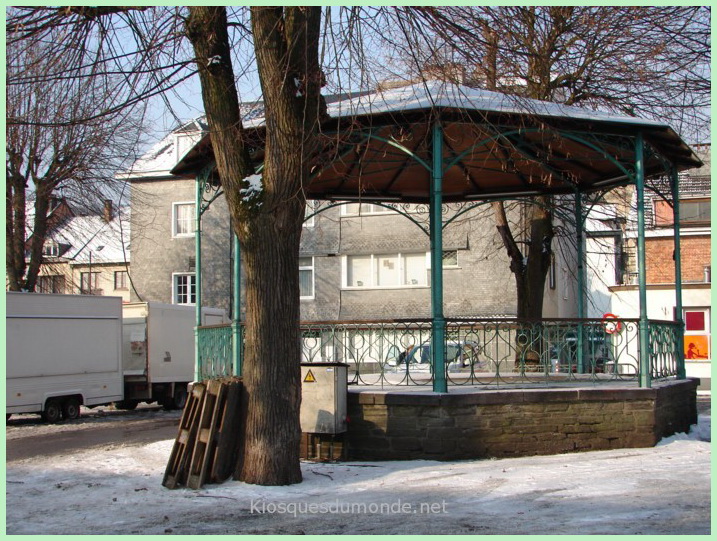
{"type": "Point", "coordinates": [197, 273]}
{"type": "Point", "coordinates": [680, 339]}
{"type": "Point", "coordinates": [581, 281]}
{"type": "Point", "coordinates": [438, 338]}
{"type": "Point", "coordinates": [645, 376]}
{"type": "Point", "coordinates": [237, 349]}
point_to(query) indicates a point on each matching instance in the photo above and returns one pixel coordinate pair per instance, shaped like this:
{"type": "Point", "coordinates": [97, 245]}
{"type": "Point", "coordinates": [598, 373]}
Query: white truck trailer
{"type": "Point", "coordinates": [62, 351]}
{"type": "Point", "coordinates": [158, 351]}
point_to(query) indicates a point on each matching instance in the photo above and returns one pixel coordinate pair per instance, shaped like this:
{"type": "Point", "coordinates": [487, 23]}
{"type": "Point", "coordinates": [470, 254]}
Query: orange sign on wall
{"type": "Point", "coordinates": [697, 347]}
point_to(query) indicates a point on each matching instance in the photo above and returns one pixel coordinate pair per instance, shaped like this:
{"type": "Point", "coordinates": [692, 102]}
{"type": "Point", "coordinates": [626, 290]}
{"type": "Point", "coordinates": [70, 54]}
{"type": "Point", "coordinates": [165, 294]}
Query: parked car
{"type": "Point", "coordinates": [597, 357]}
{"type": "Point", "coordinates": [459, 354]}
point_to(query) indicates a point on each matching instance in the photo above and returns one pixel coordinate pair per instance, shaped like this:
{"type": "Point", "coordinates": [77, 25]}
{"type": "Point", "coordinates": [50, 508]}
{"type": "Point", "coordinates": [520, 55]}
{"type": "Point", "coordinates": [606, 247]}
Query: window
{"type": "Point", "coordinates": [692, 212]}
{"type": "Point", "coordinates": [386, 270]}
{"type": "Point", "coordinates": [695, 212]}
{"type": "Point", "coordinates": [184, 289]}
{"type": "Point", "coordinates": [306, 277]}
{"type": "Point", "coordinates": [90, 283]}
{"type": "Point", "coordinates": [362, 209]}
{"type": "Point", "coordinates": [121, 280]}
{"type": "Point", "coordinates": [311, 206]}
{"type": "Point", "coordinates": [368, 209]}
{"type": "Point", "coordinates": [51, 284]}
{"type": "Point", "coordinates": [450, 258]}
{"type": "Point", "coordinates": [184, 143]}
{"type": "Point", "coordinates": [182, 219]}
{"type": "Point", "coordinates": [697, 334]}
{"type": "Point", "coordinates": [50, 249]}
{"type": "Point", "coordinates": [359, 271]}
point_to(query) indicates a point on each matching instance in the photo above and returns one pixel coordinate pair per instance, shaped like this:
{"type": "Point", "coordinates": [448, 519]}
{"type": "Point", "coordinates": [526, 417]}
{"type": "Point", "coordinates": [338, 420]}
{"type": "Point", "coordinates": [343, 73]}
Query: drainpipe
{"type": "Point", "coordinates": [645, 375]}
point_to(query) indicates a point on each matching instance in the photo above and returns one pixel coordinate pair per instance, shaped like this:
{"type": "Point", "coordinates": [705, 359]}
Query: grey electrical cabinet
{"type": "Point", "coordinates": [323, 398]}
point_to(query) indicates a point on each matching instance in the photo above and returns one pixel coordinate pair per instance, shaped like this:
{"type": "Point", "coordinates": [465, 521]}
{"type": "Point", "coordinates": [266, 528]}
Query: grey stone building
{"type": "Point", "coordinates": [358, 261]}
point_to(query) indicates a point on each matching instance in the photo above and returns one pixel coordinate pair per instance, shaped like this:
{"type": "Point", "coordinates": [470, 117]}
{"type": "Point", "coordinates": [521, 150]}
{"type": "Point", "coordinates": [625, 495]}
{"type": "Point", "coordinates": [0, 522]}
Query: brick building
{"type": "Point", "coordinates": [612, 253]}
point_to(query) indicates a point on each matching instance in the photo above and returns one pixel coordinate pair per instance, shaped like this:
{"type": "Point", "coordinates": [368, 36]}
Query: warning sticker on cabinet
{"type": "Point", "coordinates": [309, 378]}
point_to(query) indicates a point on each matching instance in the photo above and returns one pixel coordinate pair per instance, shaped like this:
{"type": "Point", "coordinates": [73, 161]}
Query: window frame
{"type": "Point", "coordinates": [180, 147]}
{"type": "Point", "coordinates": [311, 206]}
{"type": "Point", "coordinates": [192, 285]}
{"type": "Point", "coordinates": [311, 268]}
{"type": "Point", "coordinates": [125, 280]}
{"type": "Point", "coordinates": [374, 271]}
{"type": "Point", "coordinates": [54, 280]}
{"type": "Point", "coordinates": [443, 259]}
{"type": "Point", "coordinates": [175, 206]}
{"type": "Point", "coordinates": [50, 249]}
{"type": "Point", "coordinates": [662, 220]}
{"type": "Point", "coordinates": [376, 210]}
{"type": "Point", "coordinates": [94, 287]}
{"type": "Point", "coordinates": [698, 222]}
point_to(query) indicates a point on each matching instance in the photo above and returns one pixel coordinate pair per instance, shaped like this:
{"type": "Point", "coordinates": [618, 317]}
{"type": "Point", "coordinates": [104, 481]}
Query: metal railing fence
{"type": "Point", "coordinates": [477, 351]}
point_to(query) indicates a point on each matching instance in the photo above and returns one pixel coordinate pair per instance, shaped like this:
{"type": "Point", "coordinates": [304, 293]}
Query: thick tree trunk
{"type": "Point", "coordinates": [43, 193]}
{"type": "Point", "coordinates": [271, 354]}
{"type": "Point", "coordinates": [530, 272]}
{"type": "Point", "coordinates": [267, 221]}
{"type": "Point", "coordinates": [286, 46]}
{"type": "Point", "coordinates": [14, 231]}
{"type": "Point", "coordinates": [21, 274]}
{"type": "Point", "coordinates": [530, 304]}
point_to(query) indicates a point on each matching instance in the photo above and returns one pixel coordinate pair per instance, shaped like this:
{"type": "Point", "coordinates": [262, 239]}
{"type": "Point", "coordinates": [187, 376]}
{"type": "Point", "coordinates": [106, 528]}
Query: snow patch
{"type": "Point", "coordinates": [254, 188]}
{"type": "Point", "coordinates": [702, 431]}
{"type": "Point", "coordinates": [659, 490]}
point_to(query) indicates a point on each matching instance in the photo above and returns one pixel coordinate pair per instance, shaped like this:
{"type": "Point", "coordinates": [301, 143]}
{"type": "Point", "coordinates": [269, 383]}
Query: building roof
{"type": "Point", "coordinates": [85, 237]}
{"type": "Point", "coordinates": [377, 146]}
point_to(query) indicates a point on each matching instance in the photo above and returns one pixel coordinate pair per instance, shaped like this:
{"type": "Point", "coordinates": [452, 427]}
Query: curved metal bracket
{"type": "Point", "coordinates": [208, 190]}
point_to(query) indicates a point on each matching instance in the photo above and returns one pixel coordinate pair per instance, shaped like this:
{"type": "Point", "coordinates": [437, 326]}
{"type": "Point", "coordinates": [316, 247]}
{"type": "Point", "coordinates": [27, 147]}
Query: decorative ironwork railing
{"type": "Point", "coordinates": [481, 351]}
{"type": "Point", "coordinates": [215, 351]}
{"type": "Point", "coordinates": [663, 341]}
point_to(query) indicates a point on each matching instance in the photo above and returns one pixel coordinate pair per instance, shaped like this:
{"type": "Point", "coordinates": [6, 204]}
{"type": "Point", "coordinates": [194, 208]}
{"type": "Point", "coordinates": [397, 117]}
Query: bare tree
{"type": "Point", "coordinates": [640, 61]}
{"type": "Point", "coordinates": [57, 146]}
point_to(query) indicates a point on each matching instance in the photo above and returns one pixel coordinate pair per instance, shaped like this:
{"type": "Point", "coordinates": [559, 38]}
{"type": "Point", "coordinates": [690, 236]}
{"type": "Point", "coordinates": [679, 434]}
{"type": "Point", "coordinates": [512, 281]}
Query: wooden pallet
{"type": "Point", "coordinates": [204, 444]}
{"type": "Point", "coordinates": [205, 450]}
{"type": "Point", "coordinates": [228, 434]}
{"type": "Point", "coordinates": [175, 474]}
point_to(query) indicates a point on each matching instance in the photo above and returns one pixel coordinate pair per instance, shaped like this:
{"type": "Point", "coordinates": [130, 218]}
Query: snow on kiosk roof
{"type": "Point", "coordinates": [379, 146]}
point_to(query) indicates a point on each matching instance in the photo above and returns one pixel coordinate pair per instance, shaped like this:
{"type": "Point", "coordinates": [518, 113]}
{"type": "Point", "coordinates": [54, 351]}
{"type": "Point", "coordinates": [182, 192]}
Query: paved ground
{"type": "Point", "coordinates": [28, 437]}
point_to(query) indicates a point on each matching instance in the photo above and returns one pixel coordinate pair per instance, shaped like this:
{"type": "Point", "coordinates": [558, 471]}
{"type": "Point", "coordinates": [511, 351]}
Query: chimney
{"type": "Point", "coordinates": [108, 214]}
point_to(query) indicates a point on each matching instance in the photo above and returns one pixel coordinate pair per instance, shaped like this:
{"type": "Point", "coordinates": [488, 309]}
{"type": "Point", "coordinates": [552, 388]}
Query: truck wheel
{"type": "Point", "coordinates": [127, 405]}
{"type": "Point", "coordinates": [177, 401]}
{"type": "Point", "coordinates": [180, 397]}
{"type": "Point", "coordinates": [71, 409]}
{"type": "Point", "coordinates": [52, 412]}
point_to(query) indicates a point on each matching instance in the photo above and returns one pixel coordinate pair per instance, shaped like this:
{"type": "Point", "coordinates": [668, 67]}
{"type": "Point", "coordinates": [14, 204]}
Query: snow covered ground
{"type": "Point", "coordinates": [117, 490]}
